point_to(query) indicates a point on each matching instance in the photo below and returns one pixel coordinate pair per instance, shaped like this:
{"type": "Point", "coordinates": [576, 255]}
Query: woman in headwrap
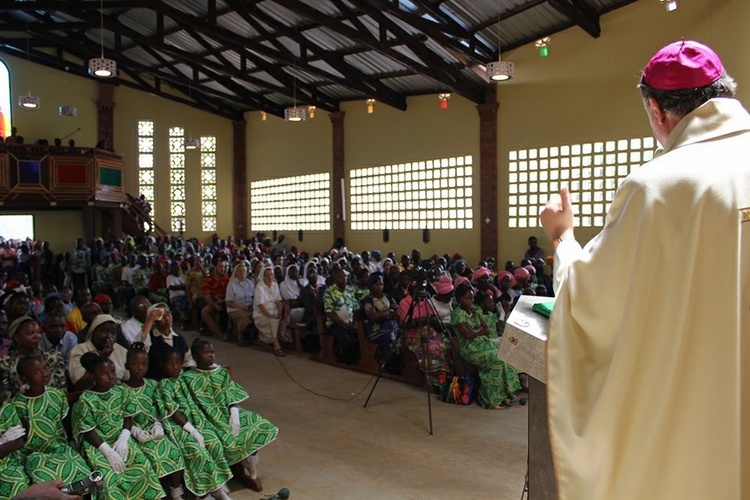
{"type": "Point", "coordinates": [268, 309]}
{"type": "Point", "coordinates": [479, 344]}
{"type": "Point", "coordinates": [421, 323]}
{"type": "Point", "coordinates": [382, 320]}
{"type": "Point", "coordinates": [443, 301]}
{"type": "Point", "coordinates": [25, 336]}
{"type": "Point", "coordinates": [100, 340]}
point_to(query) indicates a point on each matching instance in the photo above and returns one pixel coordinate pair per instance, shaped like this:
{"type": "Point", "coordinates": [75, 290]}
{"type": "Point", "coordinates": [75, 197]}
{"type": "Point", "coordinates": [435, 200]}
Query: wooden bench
{"type": "Point", "coordinates": [367, 349]}
{"type": "Point", "coordinates": [326, 353]}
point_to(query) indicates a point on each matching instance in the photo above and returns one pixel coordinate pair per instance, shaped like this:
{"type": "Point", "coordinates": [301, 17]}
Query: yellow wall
{"type": "Point", "coordinates": [132, 106]}
{"type": "Point", "coordinates": [586, 89]}
{"type": "Point", "coordinates": [277, 148]}
{"type": "Point", "coordinates": [422, 132]}
{"type": "Point", "coordinates": [60, 228]}
{"type": "Point", "coordinates": [55, 88]}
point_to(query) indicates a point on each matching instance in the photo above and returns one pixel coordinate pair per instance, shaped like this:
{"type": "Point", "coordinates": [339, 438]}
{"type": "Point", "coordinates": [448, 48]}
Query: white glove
{"type": "Point", "coordinates": [141, 435]}
{"type": "Point", "coordinates": [157, 430]}
{"type": "Point", "coordinates": [13, 433]}
{"type": "Point", "coordinates": [114, 459]}
{"type": "Point", "coordinates": [121, 445]}
{"type": "Point", "coordinates": [234, 420]}
{"type": "Point", "coordinates": [196, 435]}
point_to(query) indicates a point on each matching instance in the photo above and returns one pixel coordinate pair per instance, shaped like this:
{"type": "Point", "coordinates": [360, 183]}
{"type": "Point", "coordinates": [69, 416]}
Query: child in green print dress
{"type": "Point", "coordinates": [161, 450]}
{"type": "Point", "coordinates": [13, 478]}
{"type": "Point", "coordinates": [43, 412]}
{"type": "Point", "coordinates": [206, 469]}
{"type": "Point", "coordinates": [102, 419]}
{"type": "Point", "coordinates": [241, 431]}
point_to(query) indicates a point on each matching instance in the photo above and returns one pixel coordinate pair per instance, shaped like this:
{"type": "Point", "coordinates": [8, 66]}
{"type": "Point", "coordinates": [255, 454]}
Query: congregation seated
{"type": "Point", "coordinates": [239, 300]}
{"type": "Point", "coordinates": [478, 339]}
{"type": "Point", "coordinates": [100, 341]}
{"type": "Point", "coordinates": [311, 297]}
{"type": "Point", "coordinates": [268, 309]}
{"type": "Point", "coordinates": [157, 334]}
{"type": "Point", "coordinates": [25, 337]}
{"type": "Point", "coordinates": [381, 314]}
{"type": "Point", "coordinates": [339, 304]}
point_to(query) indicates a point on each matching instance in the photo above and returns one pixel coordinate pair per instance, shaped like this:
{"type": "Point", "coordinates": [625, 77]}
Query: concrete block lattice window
{"type": "Point", "coordinates": [208, 184]}
{"type": "Point", "coordinates": [430, 194]}
{"type": "Point", "coordinates": [177, 178]}
{"type": "Point", "coordinates": [299, 203]}
{"type": "Point", "coordinates": [146, 177]}
{"type": "Point", "coordinates": [592, 172]}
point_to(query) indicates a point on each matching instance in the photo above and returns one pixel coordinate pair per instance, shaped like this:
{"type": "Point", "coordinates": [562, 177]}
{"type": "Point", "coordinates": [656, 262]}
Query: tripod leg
{"type": "Point", "coordinates": [395, 343]}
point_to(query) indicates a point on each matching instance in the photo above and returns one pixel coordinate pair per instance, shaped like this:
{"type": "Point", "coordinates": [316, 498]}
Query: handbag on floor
{"type": "Point", "coordinates": [456, 389]}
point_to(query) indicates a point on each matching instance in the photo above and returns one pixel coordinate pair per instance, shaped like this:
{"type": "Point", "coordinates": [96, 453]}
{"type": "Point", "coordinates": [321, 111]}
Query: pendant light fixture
{"type": "Point", "coordinates": [500, 71]}
{"type": "Point", "coordinates": [370, 106]}
{"type": "Point", "coordinates": [444, 98]}
{"type": "Point", "coordinates": [294, 114]}
{"type": "Point", "coordinates": [101, 66]}
{"type": "Point", "coordinates": [190, 141]}
{"type": "Point", "coordinates": [29, 101]}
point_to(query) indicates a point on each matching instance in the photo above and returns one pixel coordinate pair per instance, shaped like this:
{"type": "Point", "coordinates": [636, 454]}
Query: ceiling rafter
{"type": "Point", "coordinates": [232, 56]}
{"type": "Point", "coordinates": [447, 32]}
{"type": "Point", "coordinates": [581, 15]}
{"type": "Point", "coordinates": [431, 62]}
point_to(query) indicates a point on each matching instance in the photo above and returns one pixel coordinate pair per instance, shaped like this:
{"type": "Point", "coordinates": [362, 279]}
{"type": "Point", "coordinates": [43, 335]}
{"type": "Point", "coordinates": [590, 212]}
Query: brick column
{"type": "Point", "coordinates": [337, 120]}
{"type": "Point", "coordinates": [106, 120]}
{"type": "Point", "coordinates": [239, 179]}
{"type": "Point", "coordinates": [488, 173]}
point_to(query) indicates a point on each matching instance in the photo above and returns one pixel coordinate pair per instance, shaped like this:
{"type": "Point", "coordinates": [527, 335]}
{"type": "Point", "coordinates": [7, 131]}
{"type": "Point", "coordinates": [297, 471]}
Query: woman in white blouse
{"type": "Point", "coordinates": [267, 310]}
{"type": "Point", "coordinates": [290, 288]}
{"type": "Point", "coordinates": [239, 302]}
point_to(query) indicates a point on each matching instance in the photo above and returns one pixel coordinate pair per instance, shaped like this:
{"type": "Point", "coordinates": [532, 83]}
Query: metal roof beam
{"type": "Point", "coordinates": [580, 14]}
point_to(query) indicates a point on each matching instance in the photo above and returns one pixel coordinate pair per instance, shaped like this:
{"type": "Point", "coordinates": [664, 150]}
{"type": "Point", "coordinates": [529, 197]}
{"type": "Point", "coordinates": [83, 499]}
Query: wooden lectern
{"type": "Point", "coordinates": [523, 345]}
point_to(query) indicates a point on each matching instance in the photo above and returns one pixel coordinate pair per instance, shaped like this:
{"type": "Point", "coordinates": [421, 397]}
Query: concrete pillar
{"type": "Point", "coordinates": [239, 180]}
{"type": "Point", "coordinates": [339, 225]}
{"type": "Point", "coordinates": [488, 173]}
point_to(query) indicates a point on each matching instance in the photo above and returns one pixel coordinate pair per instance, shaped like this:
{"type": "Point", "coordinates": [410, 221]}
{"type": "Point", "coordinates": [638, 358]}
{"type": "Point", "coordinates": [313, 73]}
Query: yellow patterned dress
{"type": "Point", "coordinates": [214, 391]}
{"type": "Point", "coordinates": [206, 468]}
{"type": "Point", "coordinates": [163, 453]}
{"type": "Point", "coordinates": [104, 413]}
{"type": "Point", "coordinates": [48, 456]}
{"type": "Point", "coordinates": [13, 478]}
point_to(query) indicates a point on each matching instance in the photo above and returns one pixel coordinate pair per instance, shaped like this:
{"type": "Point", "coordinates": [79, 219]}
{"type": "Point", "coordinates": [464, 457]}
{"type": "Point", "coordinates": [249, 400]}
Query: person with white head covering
{"type": "Point", "coordinates": [267, 310]}
{"type": "Point", "coordinates": [290, 289]}
{"type": "Point", "coordinates": [157, 334]}
{"type": "Point", "coordinates": [100, 340]}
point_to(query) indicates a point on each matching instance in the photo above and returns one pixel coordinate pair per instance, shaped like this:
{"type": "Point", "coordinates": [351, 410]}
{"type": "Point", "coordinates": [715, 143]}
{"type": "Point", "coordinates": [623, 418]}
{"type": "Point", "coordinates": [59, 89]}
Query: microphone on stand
{"type": "Point", "coordinates": [73, 132]}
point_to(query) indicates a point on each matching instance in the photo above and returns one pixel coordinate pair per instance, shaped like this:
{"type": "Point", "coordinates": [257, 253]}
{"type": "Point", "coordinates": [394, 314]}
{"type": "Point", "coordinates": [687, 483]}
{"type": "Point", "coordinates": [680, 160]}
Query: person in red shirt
{"type": "Point", "coordinates": [214, 290]}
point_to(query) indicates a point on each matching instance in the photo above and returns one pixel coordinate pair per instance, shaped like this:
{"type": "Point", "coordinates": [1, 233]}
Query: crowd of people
{"type": "Point", "coordinates": [140, 394]}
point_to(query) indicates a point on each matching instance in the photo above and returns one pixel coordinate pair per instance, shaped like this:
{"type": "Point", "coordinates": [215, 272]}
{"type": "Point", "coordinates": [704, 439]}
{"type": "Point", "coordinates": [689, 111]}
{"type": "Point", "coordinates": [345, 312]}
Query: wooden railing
{"type": "Point", "coordinates": [51, 174]}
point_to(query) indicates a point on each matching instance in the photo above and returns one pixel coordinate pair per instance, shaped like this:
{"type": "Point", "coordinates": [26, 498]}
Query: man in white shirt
{"type": "Point", "coordinates": [131, 329]}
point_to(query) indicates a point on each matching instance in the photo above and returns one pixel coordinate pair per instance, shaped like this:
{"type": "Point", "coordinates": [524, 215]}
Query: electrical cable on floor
{"type": "Point", "coordinates": [289, 375]}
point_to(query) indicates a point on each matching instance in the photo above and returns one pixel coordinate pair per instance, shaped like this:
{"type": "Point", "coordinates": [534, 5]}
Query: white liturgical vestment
{"type": "Point", "coordinates": [647, 375]}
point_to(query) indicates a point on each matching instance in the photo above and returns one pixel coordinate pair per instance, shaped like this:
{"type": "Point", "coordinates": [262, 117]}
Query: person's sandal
{"type": "Point", "coordinates": [279, 352]}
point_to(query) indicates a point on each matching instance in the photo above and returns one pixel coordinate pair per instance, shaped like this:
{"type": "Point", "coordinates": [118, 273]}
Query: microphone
{"type": "Point", "coordinates": [73, 132]}
{"type": "Point", "coordinates": [282, 494]}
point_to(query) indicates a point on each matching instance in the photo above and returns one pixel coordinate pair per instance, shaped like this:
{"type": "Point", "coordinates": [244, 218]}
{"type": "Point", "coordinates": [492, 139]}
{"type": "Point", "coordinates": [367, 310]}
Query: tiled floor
{"type": "Point", "coordinates": [329, 448]}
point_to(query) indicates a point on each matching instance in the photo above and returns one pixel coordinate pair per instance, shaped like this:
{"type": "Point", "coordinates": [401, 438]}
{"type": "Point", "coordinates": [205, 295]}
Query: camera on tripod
{"type": "Point", "coordinates": [419, 275]}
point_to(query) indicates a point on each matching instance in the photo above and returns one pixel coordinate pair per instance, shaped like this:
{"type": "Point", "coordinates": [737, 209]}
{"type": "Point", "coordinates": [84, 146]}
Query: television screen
{"type": "Point", "coordinates": [17, 227]}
